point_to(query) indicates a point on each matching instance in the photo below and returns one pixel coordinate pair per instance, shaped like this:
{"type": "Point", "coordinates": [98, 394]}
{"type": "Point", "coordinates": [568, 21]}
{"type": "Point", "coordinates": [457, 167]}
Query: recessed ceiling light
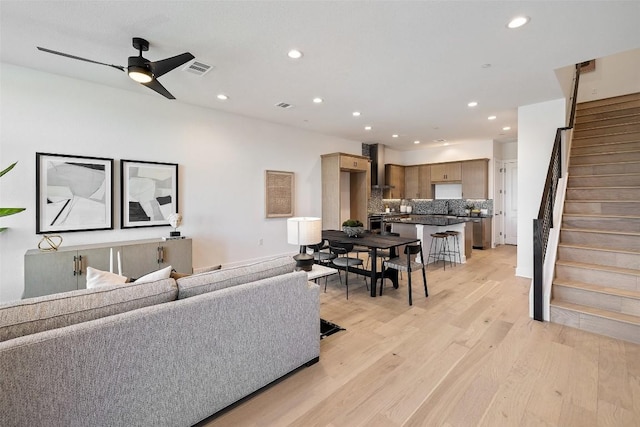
{"type": "Point", "coordinates": [294, 54]}
{"type": "Point", "coordinates": [367, 128]}
{"type": "Point", "coordinates": [518, 22]}
{"type": "Point", "coordinates": [472, 104]}
{"type": "Point", "coordinates": [446, 143]}
{"type": "Point", "coordinates": [222, 97]}
{"type": "Point", "coordinates": [416, 142]}
{"type": "Point", "coordinates": [356, 113]}
{"type": "Point", "coordinates": [491, 117]}
{"type": "Point", "coordinates": [506, 128]}
{"type": "Point", "coordinates": [317, 100]}
{"type": "Point", "coordinates": [394, 135]}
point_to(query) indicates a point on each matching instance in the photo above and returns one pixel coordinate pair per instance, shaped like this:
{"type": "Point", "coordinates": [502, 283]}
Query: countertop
{"type": "Point", "coordinates": [438, 220]}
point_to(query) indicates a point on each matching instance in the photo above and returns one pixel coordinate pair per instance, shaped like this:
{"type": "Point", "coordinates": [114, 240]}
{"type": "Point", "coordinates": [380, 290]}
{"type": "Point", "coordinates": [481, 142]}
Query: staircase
{"type": "Point", "coordinates": [597, 283]}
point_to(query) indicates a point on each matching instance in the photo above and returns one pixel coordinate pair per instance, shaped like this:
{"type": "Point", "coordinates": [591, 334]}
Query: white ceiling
{"type": "Point", "coordinates": [410, 67]}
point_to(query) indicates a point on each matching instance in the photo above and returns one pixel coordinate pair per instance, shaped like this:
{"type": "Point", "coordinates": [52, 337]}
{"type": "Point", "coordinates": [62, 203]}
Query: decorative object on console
{"type": "Point", "coordinates": [73, 193]}
{"type": "Point", "coordinates": [279, 191]}
{"type": "Point", "coordinates": [149, 193]}
{"type": "Point", "coordinates": [352, 227]}
{"type": "Point", "coordinates": [303, 231]}
{"type": "Point", "coordinates": [175, 219]}
{"type": "Point", "coordinates": [49, 242]}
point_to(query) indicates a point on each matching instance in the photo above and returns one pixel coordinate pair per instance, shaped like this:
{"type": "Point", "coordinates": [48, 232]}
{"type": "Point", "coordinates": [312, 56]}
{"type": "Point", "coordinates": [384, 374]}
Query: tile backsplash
{"type": "Point", "coordinates": [428, 206]}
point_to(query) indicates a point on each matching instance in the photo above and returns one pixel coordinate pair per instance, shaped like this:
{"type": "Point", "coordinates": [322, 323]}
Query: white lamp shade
{"type": "Point", "coordinates": [304, 231]}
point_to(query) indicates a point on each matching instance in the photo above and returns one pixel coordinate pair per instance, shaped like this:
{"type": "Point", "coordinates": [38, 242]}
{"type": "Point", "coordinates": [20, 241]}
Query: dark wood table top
{"type": "Point", "coordinates": [368, 239]}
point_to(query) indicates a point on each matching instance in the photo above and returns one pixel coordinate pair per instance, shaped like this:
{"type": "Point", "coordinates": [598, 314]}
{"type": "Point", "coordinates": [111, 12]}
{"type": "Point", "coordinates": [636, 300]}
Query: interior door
{"type": "Point", "coordinates": [498, 202]}
{"type": "Point", "coordinates": [511, 202]}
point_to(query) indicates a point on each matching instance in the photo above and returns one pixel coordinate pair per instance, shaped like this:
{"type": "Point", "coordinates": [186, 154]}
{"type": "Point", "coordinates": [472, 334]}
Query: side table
{"type": "Point", "coordinates": [318, 271]}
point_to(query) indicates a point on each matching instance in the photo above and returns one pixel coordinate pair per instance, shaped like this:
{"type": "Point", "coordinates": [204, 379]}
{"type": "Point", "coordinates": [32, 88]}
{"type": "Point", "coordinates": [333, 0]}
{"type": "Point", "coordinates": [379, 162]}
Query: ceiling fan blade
{"type": "Point", "coordinates": [155, 85]}
{"type": "Point", "coordinates": [164, 66]}
{"type": "Point", "coordinates": [117, 67]}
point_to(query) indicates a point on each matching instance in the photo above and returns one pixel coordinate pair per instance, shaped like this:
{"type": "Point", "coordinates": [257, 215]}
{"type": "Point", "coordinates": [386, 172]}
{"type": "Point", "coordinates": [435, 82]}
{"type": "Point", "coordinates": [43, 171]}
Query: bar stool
{"type": "Point", "coordinates": [455, 248]}
{"type": "Point", "coordinates": [439, 249]}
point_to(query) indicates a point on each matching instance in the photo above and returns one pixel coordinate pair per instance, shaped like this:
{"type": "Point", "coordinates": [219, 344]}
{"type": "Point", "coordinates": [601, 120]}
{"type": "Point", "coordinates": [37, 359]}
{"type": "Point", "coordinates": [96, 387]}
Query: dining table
{"type": "Point", "coordinates": [374, 242]}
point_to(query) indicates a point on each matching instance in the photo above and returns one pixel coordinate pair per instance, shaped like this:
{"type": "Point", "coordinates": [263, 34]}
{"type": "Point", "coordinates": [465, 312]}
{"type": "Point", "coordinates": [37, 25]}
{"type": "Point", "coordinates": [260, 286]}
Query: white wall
{"type": "Point", "coordinates": [537, 125]}
{"type": "Point", "coordinates": [222, 160]}
{"type": "Point", "coordinates": [509, 151]}
{"type": "Point", "coordinates": [614, 75]}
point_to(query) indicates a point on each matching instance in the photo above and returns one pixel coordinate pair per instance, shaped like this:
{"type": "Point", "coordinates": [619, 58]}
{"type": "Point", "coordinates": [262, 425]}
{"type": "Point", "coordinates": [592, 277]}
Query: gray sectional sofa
{"type": "Point", "coordinates": [166, 353]}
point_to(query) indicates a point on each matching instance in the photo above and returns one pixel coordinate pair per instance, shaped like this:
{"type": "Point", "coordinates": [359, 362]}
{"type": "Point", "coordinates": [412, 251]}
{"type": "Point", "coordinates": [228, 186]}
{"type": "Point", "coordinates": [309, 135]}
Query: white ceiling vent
{"type": "Point", "coordinates": [283, 105]}
{"type": "Point", "coordinates": [198, 68]}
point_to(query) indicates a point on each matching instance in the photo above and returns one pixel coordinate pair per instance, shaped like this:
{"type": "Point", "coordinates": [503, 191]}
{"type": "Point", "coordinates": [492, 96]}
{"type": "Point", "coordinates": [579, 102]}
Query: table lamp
{"type": "Point", "coordinates": [303, 231]}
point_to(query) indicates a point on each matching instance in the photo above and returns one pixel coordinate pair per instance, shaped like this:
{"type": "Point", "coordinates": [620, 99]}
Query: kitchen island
{"type": "Point", "coordinates": [423, 226]}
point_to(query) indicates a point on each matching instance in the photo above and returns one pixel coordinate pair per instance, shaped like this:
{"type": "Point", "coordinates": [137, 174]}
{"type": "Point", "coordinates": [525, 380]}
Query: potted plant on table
{"type": "Point", "coordinates": [352, 227]}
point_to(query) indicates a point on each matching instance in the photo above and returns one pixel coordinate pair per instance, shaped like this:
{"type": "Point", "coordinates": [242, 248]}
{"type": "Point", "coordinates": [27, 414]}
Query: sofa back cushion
{"type": "Point", "coordinates": [39, 314]}
{"type": "Point", "coordinates": [212, 281]}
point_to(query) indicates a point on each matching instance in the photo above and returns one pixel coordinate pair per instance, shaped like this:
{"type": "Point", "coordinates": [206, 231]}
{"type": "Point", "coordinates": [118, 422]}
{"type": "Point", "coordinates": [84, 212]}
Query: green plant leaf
{"type": "Point", "coordinates": [8, 169]}
{"type": "Point", "coordinates": [10, 211]}
{"type": "Point", "coordinates": [2, 229]}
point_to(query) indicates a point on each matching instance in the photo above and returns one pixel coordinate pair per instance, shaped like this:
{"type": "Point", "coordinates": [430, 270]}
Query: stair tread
{"type": "Point", "coordinates": [631, 122]}
{"type": "Point", "coordinates": [601, 201]}
{"type": "Point", "coordinates": [590, 230]}
{"type": "Point", "coordinates": [604, 153]}
{"type": "Point", "coordinates": [613, 187]}
{"type": "Point", "coordinates": [599, 267]}
{"type": "Point", "coordinates": [607, 143]}
{"type": "Point", "coordinates": [607, 163]}
{"type": "Point", "coordinates": [614, 315]}
{"type": "Point", "coordinates": [628, 112]}
{"type": "Point", "coordinates": [597, 288]}
{"type": "Point", "coordinates": [606, 175]}
{"type": "Point", "coordinates": [588, 215]}
{"type": "Point", "coordinates": [605, 135]}
{"type": "Point", "coordinates": [598, 248]}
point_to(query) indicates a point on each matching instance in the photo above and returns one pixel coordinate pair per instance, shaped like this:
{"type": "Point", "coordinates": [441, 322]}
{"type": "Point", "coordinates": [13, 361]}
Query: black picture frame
{"type": "Point", "coordinates": [73, 193]}
{"type": "Point", "coordinates": [149, 192]}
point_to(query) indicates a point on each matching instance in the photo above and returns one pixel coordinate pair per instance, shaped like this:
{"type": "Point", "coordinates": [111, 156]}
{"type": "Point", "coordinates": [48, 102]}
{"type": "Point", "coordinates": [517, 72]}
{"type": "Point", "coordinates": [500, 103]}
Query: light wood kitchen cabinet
{"type": "Point", "coordinates": [424, 175]}
{"type": "Point", "coordinates": [417, 180]}
{"type": "Point", "coordinates": [446, 172]}
{"type": "Point", "coordinates": [412, 182]}
{"type": "Point", "coordinates": [475, 179]}
{"type": "Point", "coordinates": [346, 189]}
{"type": "Point", "coordinates": [355, 163]}
{"type": "Point", "coordinates": [65, 270]}
{"type": "Point", "coordinates": [394, 177]}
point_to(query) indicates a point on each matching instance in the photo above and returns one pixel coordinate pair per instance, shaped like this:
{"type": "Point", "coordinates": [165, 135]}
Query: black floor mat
{"type": "Point", "coordinates": [328, 328]}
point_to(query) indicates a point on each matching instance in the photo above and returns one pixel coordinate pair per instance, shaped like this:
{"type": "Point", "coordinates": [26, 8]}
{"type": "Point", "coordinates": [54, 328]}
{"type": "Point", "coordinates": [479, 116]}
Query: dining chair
{"type": "Point", "coordinates": [320, 255]}
{"type": "Point", "coordinates": [343, 260]}
{"type": "Point", "coordinates": [409, 265]}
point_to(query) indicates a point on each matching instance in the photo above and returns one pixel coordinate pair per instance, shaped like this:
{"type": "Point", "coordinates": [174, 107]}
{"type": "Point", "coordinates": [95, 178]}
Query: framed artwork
{"type": "Point", "coordinates": [73, 193]}
{"type": "Point", "coordinates": [279, 191]}
{"type": "Point", "coordinates": [149, 193]}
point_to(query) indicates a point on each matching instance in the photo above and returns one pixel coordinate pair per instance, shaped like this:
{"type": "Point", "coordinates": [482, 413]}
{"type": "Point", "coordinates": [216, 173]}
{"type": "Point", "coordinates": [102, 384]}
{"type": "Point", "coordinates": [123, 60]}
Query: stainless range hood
{"type": "Point", "coordinates": [376, 154]}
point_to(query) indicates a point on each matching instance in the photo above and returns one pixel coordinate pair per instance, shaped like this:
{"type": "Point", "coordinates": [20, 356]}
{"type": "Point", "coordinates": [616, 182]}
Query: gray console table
{"type": "Point", "coordinates": [65, 269]}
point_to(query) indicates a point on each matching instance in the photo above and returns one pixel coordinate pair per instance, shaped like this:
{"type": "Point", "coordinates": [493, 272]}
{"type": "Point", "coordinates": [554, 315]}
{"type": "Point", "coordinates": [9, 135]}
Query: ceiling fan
{"type": "Point", "coordinates": [141, 69]}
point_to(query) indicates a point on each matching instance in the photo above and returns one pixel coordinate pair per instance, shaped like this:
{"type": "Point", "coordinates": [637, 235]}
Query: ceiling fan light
{"type": "Point", "coordinates": [140, 74]}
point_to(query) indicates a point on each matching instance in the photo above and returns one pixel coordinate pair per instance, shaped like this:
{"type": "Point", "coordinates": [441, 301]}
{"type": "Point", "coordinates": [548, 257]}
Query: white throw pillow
{"type": "Point", "coordinates": [97, 278]}
{"type": "Point", "coordinates": [163, 273]}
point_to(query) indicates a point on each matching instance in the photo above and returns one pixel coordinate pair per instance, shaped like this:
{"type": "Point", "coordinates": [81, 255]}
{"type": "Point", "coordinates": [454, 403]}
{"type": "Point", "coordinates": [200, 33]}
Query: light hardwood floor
{"type": "Point", "coordinates": [469, 355]}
